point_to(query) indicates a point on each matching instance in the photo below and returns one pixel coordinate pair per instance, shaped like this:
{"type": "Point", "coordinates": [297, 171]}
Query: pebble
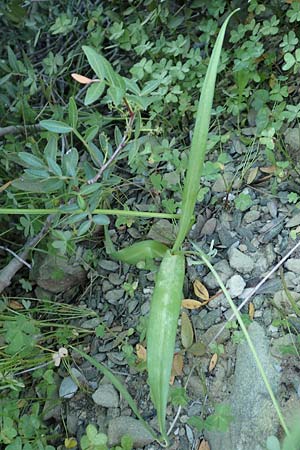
{"type": "Point", "coordinates": [251, 216]}
{"type": "Point", "coordinates": [209, 227]}
{"type": "Point", "coordinates": [68, 386]}
{"type": "Point", "coordinates": [115, 279]}
{"type": "Point", "coordinates": [91, 324]}
{"type": "Point", "coordinates": [114, 296]}
{"type": "Point", "coordinates": [239, 261]}
{"type": "Point", "coordinates": [106, 396]}
{"type": "Point", "coordinates": [122, 425]}
{"type": "Point", "coordinates": [227, 238]}
{"type": "Point", "coordinates": [271, 230]}
{"type": "Point", "coordinates": [224, 271]}
{"type": "Point", "coordinates": [109, 265]}
{"type": "Point", "coordinates": [293, 264]}
{"type": "Point", "coordinates": [294, 221]}
{"type": "Point", "coordinates": [236, 285]}
{"type": "Point", "coordinates": [273, 209]}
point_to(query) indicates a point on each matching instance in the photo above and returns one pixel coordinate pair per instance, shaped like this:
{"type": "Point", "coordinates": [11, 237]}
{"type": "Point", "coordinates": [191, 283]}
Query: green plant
{"type": "Point", "coordinates": [93, 440]}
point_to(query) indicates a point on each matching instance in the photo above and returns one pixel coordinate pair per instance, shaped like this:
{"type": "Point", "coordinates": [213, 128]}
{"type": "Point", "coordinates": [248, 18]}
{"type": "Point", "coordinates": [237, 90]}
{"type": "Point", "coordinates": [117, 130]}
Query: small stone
{"type": "Point", "coordinates": [106, 396]}
{"type": "Point", "coordinates": [114, 296]}
{"type": "Point", "coordinates": [90, 324]}
{"type": "Point", "coordinates": [68, 386]}
{"type": "Point", "coordinates": [272, 207]}
{"type": "Point", "coordinates": [224, 271]}
{"type": "Point", "coordinates": [162, 231]}
{"type": "Point", "coordinates": [106, 264]}
{"type": "Point", "coordinates": [281, 300]}
{"type": "Point", "coordinates": [106, 286]}
{"type": "Point", "coordinates": [209, 227]}
{"type": "Point", "coordinates": [209, 334]}
{"type": "Point", "coordinates": [115, 279]}
{"type": "Point", "coordinates": [251, 216]}
{"type": "Point", "coordinates": [294, 221]}
{"type": "Point", "coordinates": [222, 182]}
{"type": "Point", "coordinates": [120, 426]}
{"type": "Point", "coordinates": [292, 138]}
{"type": "Point", "coordinates": [293, 264]}
{"type": "Point", "coordinates": [235, 285]}
{"type": "Point", "coordinates": [239, 261]}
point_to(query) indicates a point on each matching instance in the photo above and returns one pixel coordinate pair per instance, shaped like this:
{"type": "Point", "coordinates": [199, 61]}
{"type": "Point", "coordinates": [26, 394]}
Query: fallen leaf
{"type": "Point", "coordinates": [213, 362]}
{"type": "Point", "coordinates": [70, 442]}
{"type": "Point", "coordinates": [187, 332]}
{"type": "Point", "coordinates": [198, 349]}
{"type": "Point", "coordinates": [189, 303]}
{"type": "Point", "coordinates": [200, 290]}
{"type": "Point", "coordinates": [13, 304]}
{"type": "Point", "coordinates": [177, 365]}
{"type": "Point", "coordinates": [251, 311]}
{"type": "Point", "coordinates": [141, 352]}
{"type": "Point", "coordinates": [81, 79]}
{"type": "Point", "coordinates": [269, 169]}
{"type": "Point", "coordinates": [204, 445]}
{"type": "Point", "coordinates": [252, 175]}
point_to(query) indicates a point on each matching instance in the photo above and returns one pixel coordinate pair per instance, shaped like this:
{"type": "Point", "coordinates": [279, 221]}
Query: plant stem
{"type": "Point", "coordinates": [109, 212]}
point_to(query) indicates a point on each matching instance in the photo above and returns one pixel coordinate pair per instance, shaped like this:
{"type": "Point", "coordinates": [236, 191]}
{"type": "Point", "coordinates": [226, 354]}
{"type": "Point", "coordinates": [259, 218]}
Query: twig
{"type": "Point", "coordinates": [256, 288]}
{"type": "Point", "coordinates": [16, 256]}
{"type": "Point", "coordinates": [8, 272]}
{"type": "Point", "coordinates": [19, 129]}
{"type": "Point", "coordinates": [116, 152]}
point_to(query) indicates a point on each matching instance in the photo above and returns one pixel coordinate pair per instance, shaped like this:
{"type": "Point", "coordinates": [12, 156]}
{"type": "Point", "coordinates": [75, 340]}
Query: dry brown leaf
{"type": "Point", "coordinates": [187, 332]}
{"type": "Point", "coordinates": [177, 366]}
{"type": "Point", "coordinates": [13, 304]}
{"type": "Point", "coordinates": [213, 362]}
{"type": "Point", "coordinates": [141, 352]}
{"type": "Point", "coordinates": [251, 311]}
{"type": "Point", "coordinates": [189, 303]}
{"type": "Point", "coordinates": [81, 79]}
{"type": "Point", "coordinates": [200, 290]}
{"type": "Point", "coordinates": [268, 169]}
{"type": "Point", "coordinates": [252, 175]}
{"type": "Point", "coordinates": [204, 445]}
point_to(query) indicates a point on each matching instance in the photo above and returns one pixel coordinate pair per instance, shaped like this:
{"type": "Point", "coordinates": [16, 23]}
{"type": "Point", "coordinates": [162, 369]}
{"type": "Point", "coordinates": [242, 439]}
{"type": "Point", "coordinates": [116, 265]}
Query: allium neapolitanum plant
{"type": "Point", "coordinates": [167, 296]}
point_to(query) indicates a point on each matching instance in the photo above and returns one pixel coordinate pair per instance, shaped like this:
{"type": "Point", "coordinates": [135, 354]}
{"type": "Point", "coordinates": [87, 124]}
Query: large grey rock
{"type": "Point", "coordinates": [120, 426]}
{"type": "Point", "coordinates": [235, 285]}
{"type": "Point", "coordinates": [57, 274]}
{"type": "Point", "coordinates": [240, 261]}
{"type": "Point", "coordinates": [224, 271]}
{"type": "Point", "coordinates": [254, 415]}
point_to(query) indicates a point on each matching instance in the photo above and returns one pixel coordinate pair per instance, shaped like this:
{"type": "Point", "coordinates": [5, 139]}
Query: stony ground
{"type": "Point", "coordinates": [248, 245]}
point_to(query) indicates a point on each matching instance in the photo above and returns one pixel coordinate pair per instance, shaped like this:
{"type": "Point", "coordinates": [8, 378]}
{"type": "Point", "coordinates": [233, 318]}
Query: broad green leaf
{"type": "Point", "coordinates": [12, 59]}
{"type": "Point", "coordinates": [103, 68]}
{"type": "Point", "coordinates": [117, 94]}
{"type": "Point", "coordinates": [84, 227]}
{"type": "Point", "coordinates": [161, 332]}
{"type": "Point", "coordinates": [101, 219]}
{"type": "Point", "coordinates": [150, 86]}
{"type": "Point", "coordinates": [70, 162]}
{"type": "Point", "coordinates": [72, 112]}
{"type": "Point", "coordinates": [273, 443]}
{"type": "Point", "coordinates": [91, 132]}
{"type": "Point", "coordinates": [94, 92]}
{"type": "Point", "coordinates": [54, 167]}
{"type": "Point", "coordinates": [31, 161]}
{"type": "Point", "coordinates": [199, 140]}
{"type": "Point", "coordinates": [87, 189]}
{"type": "Point", "coordinates": [56, 126]}
{"type": "Point", "coordinates": [37, 174]}
{"type": "Point", "coordinates": [50, 150]}
{"type": "Point", "coordinates": [39, 187]}
{"type": "Point", "coordinates": [140, 252]}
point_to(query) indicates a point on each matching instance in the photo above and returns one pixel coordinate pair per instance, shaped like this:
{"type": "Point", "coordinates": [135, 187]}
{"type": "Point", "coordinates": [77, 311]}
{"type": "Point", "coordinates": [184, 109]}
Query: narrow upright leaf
{"type": "Point", "coordinates": [73, 113]}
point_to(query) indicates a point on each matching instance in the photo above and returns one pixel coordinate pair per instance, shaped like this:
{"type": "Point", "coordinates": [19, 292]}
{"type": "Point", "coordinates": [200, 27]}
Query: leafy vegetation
{"type": "Point", "coordinates": [101, 101]}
